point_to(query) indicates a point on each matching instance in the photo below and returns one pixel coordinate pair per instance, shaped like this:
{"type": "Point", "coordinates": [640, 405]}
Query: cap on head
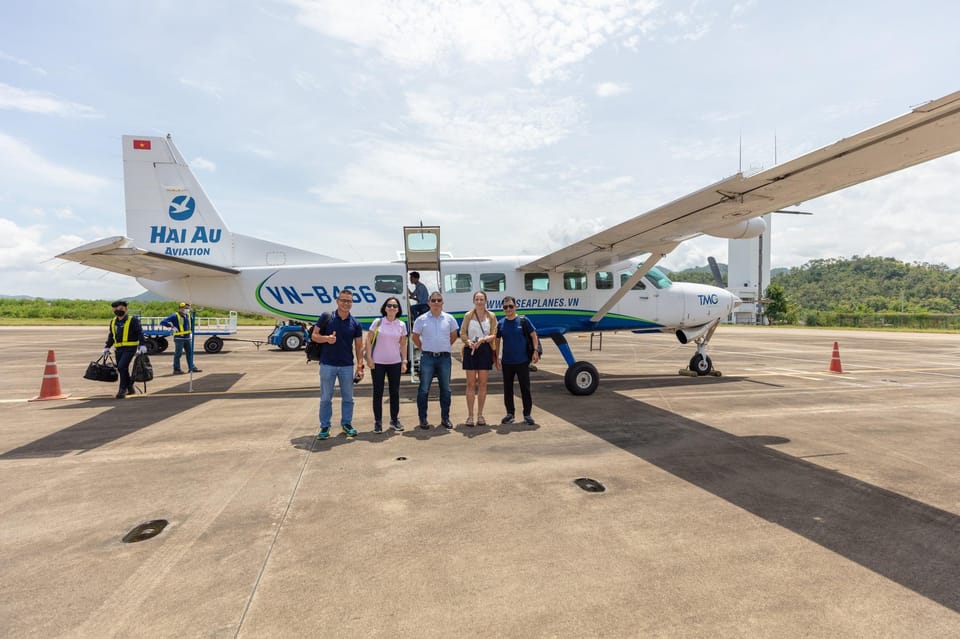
{"type": "Point", "coordinates": [184, 304]}
{"type": "Point", "coordinates": [119, 303]}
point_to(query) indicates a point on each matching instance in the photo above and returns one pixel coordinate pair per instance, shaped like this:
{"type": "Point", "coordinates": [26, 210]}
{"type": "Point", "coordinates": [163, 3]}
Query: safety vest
{"type": "Point", "coordinates": [183, 331]}
{"type": "Point", "coordinates": [126, 333]}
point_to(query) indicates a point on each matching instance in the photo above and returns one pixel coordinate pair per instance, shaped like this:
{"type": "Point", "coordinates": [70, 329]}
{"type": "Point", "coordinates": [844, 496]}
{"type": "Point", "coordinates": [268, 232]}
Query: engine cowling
{"type": "Point", "coordinates": [686, 335]}
{"type": "Point", "coordinates": [742, 230]}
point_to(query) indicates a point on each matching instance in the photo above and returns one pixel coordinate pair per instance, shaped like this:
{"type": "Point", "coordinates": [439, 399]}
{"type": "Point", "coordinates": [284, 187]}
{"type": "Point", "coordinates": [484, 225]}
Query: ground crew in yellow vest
{"type": "Point", "coordinates": [126, 337]}
{"type": "Point", "coordinates": [182, 324]}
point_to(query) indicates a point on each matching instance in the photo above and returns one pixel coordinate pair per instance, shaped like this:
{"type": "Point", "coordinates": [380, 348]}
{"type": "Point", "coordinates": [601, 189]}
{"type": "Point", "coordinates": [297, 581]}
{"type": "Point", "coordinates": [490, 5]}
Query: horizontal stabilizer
{"type": "Point", "coordinates": [119, 255]}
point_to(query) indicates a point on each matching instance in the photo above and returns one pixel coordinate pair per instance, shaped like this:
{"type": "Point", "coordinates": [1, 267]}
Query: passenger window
{"type": "Point", "coordinates": [639, 286]}
{"type": "Point", "coordinates": [536, 281]}
{"type": "Point", "coordinates": [392, 284]}
{"type": "Point", "coordinates": [457, 283]}
{"type": "Point", "coordinates": [493, 282]}
{"type": "Point", "coordinates": [575, 281]}
{"type": "Point", "coordinates": [604, 280]}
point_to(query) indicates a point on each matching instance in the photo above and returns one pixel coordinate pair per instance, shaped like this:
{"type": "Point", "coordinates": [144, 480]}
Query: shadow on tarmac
{"type": "Point", "coordinates": [904, 540]}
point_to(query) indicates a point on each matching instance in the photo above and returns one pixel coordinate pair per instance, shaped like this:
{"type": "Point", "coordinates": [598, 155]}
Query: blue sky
{"type": "Point", "coordinates": [517, 126]}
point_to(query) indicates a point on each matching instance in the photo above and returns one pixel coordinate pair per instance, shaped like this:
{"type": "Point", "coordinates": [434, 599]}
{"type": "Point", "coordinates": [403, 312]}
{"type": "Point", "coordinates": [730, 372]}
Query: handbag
{"type": "Point", "coordinates": [102, 370]}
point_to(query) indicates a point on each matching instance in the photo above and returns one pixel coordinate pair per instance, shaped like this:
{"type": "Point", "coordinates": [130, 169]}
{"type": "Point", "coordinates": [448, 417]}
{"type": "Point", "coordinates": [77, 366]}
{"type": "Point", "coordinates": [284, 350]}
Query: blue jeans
{"type": "Point", "coordinates": [430, 366]}
{"type": "Point", "coordinates": [183, 344]}
{"type": "Point", "coordinates": [328, 377]}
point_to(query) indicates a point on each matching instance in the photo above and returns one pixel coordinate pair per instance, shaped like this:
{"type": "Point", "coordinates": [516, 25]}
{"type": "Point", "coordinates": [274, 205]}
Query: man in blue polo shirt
{"type": "Point", "coordinates": [433, 333]}
{"type": "Point", "coordinates": [343, 339]}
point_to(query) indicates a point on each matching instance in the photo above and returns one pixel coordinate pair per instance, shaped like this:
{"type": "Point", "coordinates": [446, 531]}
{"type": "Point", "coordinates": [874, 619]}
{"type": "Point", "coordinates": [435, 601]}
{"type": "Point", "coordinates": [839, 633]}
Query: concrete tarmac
{"type": "Point", "coordinates": [779, 500]}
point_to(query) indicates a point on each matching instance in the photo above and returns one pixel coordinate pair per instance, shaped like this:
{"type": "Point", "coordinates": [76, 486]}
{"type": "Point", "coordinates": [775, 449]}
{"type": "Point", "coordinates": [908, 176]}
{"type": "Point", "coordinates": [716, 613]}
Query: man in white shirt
{"type": "Point", "coordinates": [433, 334]}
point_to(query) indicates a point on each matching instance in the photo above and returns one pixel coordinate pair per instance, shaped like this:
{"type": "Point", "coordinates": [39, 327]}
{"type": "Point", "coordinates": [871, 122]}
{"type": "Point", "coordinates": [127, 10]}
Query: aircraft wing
{"type": "Point", "coordinates": [119, 255]}
{"type": "Point", "coordinates": [929, 131]}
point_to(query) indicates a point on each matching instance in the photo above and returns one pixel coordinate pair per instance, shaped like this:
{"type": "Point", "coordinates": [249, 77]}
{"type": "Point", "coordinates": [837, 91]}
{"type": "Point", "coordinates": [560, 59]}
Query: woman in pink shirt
{"type": "Point", "coordinates": [385, 350]}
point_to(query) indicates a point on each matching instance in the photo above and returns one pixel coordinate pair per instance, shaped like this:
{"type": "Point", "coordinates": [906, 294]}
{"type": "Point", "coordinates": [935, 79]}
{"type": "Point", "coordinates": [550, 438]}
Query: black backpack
{"type": "Point", "coordinates": [315, 349]}
{"type": "Point", "coordinates": [525, 325]}
{"type": "Point", "coordinates": [142, 370]}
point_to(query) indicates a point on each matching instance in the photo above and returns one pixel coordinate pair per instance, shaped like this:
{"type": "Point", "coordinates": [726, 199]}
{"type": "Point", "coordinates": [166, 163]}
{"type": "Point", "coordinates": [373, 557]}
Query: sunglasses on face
{"type": "Point", "coordinates": [392, 306]}
{"type": "Point", "coordinates": [509, 305]}
{"type": "Point", "coordinates": [436, 301]}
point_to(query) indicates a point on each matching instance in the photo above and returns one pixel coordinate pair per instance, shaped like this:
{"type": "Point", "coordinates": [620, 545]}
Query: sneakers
{"type": "Point", "coordinates": [324, 433]}
{"type": "Point", "coordinates": [195, 370]}
{"type": "Point", "coordinates": [424, 424]}
{"type": "Point", "coordinates": [396, 425]}
{"type": "Point", "coordinates": [377, 428]}
{"type": "Point", "coordinates": [349, 430]}
{"type": "Point", "coordinates": [507, 419]}
{"type": "Point", "coordinates": [446, 423]}
{"type": "Point", "coordinates": [121, 395]}
{"type": "Point", "coordinates": [178, 372]}
{"type": "Point", "coordinates": [529, 419]}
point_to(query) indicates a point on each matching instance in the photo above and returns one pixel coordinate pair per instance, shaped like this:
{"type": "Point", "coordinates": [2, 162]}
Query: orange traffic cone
{"type": "Point", "coordinates": [835, 359]}
{"type": "Point", "coordinates": [50, 388]}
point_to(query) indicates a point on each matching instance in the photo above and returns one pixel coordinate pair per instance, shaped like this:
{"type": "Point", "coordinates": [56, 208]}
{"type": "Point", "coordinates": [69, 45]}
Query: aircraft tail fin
{"type": "Point", "coordinates": [168, 213]}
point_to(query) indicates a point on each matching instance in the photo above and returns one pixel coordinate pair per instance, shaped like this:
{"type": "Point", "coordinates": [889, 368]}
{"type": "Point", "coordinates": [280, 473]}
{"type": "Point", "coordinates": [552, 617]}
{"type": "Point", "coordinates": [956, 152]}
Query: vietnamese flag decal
{"type": "Point", "coordinates": [142, 144]}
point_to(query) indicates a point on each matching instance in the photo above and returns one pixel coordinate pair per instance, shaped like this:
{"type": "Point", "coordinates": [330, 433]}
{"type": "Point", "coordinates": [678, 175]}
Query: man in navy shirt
{"type": "Point", "coordinates": [343, 340]}
{"type": "Point", "coordinates": [514, 361]}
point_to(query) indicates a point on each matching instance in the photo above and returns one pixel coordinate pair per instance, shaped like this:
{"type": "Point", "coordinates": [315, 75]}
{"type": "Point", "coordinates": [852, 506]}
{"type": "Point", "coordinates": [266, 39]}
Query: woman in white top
{"type": "Point", "coordinates": [478, 331]}
{"type": "Point", "coordinates": [386, 353]}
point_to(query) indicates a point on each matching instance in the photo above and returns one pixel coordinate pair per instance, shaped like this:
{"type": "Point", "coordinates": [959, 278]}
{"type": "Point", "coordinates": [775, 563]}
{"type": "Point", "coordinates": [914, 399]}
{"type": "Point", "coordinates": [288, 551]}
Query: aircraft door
{"type": "Point", "coordinates": [643, 300]}
{"type": "Point", "coordinates": [421, 251]}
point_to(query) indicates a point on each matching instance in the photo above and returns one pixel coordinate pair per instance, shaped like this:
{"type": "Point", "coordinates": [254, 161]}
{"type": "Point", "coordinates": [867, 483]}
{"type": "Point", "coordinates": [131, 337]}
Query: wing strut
{"type": "Point", "coordinates": [644, 268]}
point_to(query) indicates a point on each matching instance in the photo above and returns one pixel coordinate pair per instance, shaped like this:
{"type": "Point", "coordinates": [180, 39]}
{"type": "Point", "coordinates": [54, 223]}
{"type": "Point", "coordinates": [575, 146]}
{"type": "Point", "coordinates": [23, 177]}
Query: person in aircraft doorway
{"type": "Point", "coordinates": [182, 324]}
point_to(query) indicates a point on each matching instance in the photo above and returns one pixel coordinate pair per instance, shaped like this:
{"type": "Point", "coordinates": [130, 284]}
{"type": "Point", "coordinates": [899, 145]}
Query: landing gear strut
{"type": "Point", "coordinates": [581, 378]}
{"type": "Point", "coordinates": [700, 363]}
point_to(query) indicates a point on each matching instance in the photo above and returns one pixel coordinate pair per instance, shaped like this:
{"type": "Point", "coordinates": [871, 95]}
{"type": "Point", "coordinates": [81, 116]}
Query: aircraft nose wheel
{"type": "Point", "coordinates": [581, 378]}
{"type": "Point", "coordinates": [701, 364]}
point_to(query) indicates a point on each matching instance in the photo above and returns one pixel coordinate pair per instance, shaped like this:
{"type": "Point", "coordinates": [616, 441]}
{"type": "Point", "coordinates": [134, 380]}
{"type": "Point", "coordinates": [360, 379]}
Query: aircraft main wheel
{"type": "Point", "coordinates": [152, 347]}
{"type": "Point", "coordinates": [582, 378]}
{"type": "Point", "coordinates": [162, 343]}
{"type": "Point", "coordinates": [213, 345]}
{"type": "Point", "coordinates": [292, 342]}
{"type": "Point", "coordinates": [701, 364]}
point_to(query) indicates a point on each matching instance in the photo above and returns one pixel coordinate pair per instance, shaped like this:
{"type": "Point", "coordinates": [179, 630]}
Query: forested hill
{"type": "Point", "coordinates": [862, 285]}
{"type": "Point", "coordinates": [872, 284]}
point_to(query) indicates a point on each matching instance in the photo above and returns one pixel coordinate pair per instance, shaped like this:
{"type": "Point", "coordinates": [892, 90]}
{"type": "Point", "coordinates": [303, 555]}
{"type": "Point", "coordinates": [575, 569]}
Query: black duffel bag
{"type": "Point", "coordinates": [102, 370]}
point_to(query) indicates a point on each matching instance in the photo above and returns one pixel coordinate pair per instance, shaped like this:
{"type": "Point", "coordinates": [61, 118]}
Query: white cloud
{"type": "Point", "coordinates": [203, 164]}
{"type": "Point", "coordinates": [23, 63]}
{"type": "Point", "coordinates": [543, 37]}
{"type": "Point", "coordinates": [204, 87]}
{"type": "Point", "coordinates": [21, 164]}
{"type": "Point", "coordinates": [510, 121]}
{"type": "Point", "coordinates": [610, 89]}
{"type": "Point", "coordinates": [16, 99]}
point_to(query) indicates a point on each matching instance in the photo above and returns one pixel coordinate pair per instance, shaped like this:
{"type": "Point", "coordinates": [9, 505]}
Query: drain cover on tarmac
{"type": "Point", "coordinates": [589, 485]}
{"type": "Point", "coordinates": [145, 531]}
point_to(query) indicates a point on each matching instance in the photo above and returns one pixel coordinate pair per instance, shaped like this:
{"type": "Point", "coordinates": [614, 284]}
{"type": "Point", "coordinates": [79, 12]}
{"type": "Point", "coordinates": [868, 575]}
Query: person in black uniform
{"type": "Point", "coordinates": [126, 338]}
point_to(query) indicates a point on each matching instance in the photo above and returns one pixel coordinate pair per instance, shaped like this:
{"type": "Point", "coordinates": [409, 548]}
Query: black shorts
{"type": "Point", "coordinates": [482, 360]}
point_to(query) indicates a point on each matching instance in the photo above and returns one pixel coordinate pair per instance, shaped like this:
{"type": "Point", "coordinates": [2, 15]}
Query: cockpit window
{"type": "Point", "coordinates": [658, 278]}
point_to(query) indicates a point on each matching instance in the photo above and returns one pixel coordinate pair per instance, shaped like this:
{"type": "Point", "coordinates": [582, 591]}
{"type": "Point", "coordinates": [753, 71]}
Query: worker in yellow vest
{"type": "Point", "coordinates": [126, 338]}
{"type": "Point", "coordinates": [182, 324]}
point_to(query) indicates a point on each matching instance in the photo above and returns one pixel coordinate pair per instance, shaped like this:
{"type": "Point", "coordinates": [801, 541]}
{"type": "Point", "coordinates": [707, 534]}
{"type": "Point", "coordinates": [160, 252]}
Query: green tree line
{"type": "Point", "coordinates": [859, 291]}
{"type": "Point", "coordinates": [38, 311]}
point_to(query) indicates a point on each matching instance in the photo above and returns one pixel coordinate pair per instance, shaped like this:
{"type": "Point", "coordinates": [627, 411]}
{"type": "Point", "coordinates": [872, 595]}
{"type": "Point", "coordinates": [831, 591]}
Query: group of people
{"type": "Point", "coordinates": [510, 344]}
{"type": "Point", "coordinates": [126, 338]}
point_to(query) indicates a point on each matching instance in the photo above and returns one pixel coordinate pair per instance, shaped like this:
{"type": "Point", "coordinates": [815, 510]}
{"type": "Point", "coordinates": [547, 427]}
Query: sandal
{"type": "Point", "coordinates": [469, 421]}
{"type": "Point", "coordinates": [481, 421]}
